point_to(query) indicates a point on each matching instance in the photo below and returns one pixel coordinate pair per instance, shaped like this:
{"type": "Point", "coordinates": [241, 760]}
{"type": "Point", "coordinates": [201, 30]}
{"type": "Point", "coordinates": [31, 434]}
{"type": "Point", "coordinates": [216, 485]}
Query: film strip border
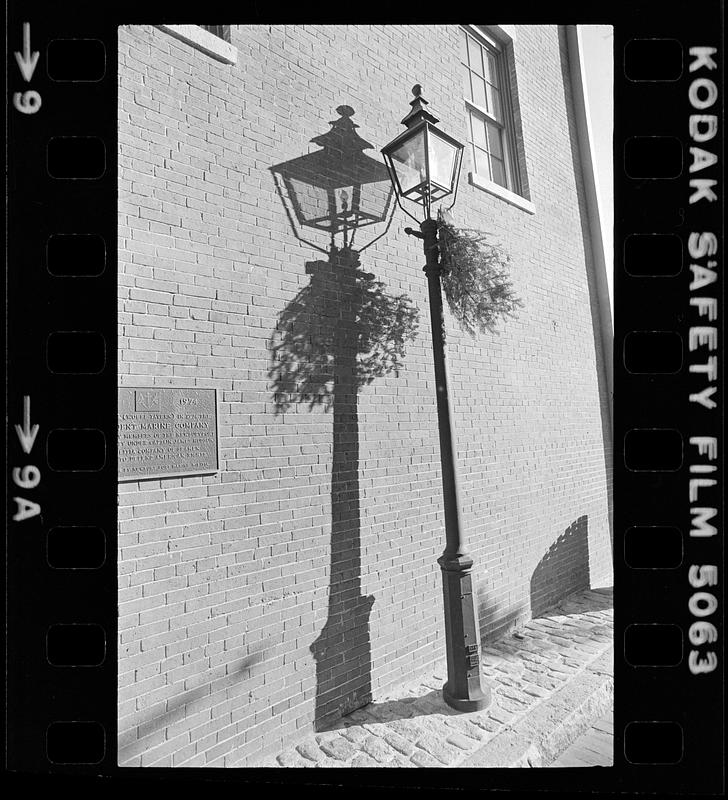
{"type": "Point", "coordinates": [668, 435]}
{"type": "Point", "coordinates": [61, 392]}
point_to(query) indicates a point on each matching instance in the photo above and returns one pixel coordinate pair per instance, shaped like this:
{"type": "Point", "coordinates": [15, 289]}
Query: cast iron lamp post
{"type": "Point", "coordinates": [424, 166]}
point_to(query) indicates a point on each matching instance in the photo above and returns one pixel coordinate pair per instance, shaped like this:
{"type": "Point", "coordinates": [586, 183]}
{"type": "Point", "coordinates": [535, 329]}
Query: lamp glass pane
{"type": "Point", "coordinates": [374, 199]}
{"type": "Point", "coordinates": [442, 161]}
{"type": "Point", "coordinates": [409, 162]}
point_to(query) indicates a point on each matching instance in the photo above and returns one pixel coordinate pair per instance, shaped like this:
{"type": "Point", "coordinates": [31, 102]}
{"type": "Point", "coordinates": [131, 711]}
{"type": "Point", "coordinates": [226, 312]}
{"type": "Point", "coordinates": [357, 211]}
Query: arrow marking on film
{"type": "Point", "coordinates": [26, 434]}
{"type": "Point", "coordinates": [27, 61]}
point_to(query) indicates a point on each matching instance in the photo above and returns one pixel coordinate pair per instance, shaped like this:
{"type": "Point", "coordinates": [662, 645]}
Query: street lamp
{"type": "Point", "coordinates": [424, 167]}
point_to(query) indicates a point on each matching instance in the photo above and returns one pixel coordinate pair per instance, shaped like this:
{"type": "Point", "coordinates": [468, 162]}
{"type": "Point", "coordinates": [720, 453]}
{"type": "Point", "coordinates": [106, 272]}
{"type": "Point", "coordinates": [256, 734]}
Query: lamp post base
{"type": "Point", "coordinates": [479, 701]}
{"type": "Point", "coordinates": [464, 690]}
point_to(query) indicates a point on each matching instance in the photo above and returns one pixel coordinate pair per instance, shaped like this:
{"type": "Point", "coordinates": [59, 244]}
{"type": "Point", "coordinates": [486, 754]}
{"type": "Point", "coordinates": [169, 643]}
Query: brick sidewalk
{"type": "Point", "coordinates": [550, 680]}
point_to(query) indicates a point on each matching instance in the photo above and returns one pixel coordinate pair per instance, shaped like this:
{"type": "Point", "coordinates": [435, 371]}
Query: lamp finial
{"type": "Point", "coordinates": [418, 112]}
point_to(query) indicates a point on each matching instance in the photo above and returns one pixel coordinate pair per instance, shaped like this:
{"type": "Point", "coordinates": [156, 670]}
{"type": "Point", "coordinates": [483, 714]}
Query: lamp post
{"type": "Point", "coordinates": [424, 167]}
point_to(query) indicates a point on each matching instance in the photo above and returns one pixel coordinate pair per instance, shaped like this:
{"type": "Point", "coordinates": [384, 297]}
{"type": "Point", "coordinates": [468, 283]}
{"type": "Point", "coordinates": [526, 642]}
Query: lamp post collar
{"type": "Point", "coordinates": [419, 112]}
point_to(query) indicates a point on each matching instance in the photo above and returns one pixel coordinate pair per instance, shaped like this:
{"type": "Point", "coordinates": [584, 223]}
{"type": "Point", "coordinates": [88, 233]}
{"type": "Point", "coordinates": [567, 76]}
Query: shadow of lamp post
{"type": "Point", "coordinates": [424, 167]}
{"type": "Point", "coordinates": [342, 331]}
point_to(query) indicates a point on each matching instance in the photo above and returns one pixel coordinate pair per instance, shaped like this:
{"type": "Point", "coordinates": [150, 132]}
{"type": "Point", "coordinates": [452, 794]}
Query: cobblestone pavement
{"type": "Point", "coordinates": [594, 748]}
{"type": "Point", "coordinates": [538, 676]}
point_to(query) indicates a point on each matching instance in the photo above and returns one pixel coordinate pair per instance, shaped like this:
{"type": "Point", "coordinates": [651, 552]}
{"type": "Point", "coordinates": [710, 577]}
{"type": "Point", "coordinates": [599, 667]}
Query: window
{"type": "Point", "coordinates": [221, 31]}
{"type": "Point", "coordinates": [214, 40]}
{"type": "Point", "coordinates": [491, 133]}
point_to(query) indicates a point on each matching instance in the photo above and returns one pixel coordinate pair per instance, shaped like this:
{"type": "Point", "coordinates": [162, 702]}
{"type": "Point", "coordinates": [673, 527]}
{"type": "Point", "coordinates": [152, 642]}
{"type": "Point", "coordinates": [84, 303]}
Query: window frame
{"type": "Point", "coordinates": [204, 40]}
{"type": "Point", "coordinates": [221, 31]}
{"type": "Point", "coordinates": [497, 40]}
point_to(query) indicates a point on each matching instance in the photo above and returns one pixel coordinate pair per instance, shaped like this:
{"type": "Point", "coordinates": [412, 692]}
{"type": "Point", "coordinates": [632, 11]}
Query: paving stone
{"type": "Point", "coordinates": [399, 743]}
{"type": "Point", "coordinates": [291, 759]}
{"type": "Point", "coordinates": [501, 715]}
{"type": "Point", "coordinates": [310, 750]}
{"type": "Point", "coordinates": [406, 729]}
{"type": "Point", "coordinates": [461, 741]}
{"type": "Point", "coordinates": [587, 647]}
{"type": "Point", "coordinates": [359, 716]}
{"type": "Point", "coordinates": [543, 624]}
{"type": "Point", "coordinates": [597, 744]}
{"type": "Point", "coordinates": [602, 666]}
{"type": "Point", "coordinates": [536, 691]}
{"type": "Point", "coordinates": [407, 701]}
{"type": "Point", "coordinates": [443, 752]}
{"type": "Point", "coordinates": [562, 669]}
{"type": "Point", "coordinates": [429, 705]}
{"type": "Point", "coordinates": [577, 622]}
{"type": "Point", "coordinates": [465, 726]}
{"type": "Point", "coordinates": [378, 749]}
{"type": "Point", "coordinates": [420, 758]}
{"type": "Point", "coordinates": [400, 761]}
{"type": "Point", "coordinates": [561, 640]}
{"type": "Point", "coordinates": [491, 674]}
{"type": "Point", "coordinates": [364, 760]}
{"type": "Point", "coordinates": [354, 734]}
{"type": "Point", "coordinates": [545, 681]}
{"type": "Point", "coordinates": [536, 663]}
{"type": "Point", "coordinates": [382, 713]}
{"type": "Point", "coordinates": [330, 762]}
{"type": "Point", "coordinates": [338, 748]}
{"type": "Point", "coordinates": [514, 706]}
{"type": "Point", "coordinates": [488, 724]}
{"type": "Point", "coordinates": [507, 680]}
{"type": "Point", "coordinates": [577, 756]}
{"type": "Point", "coordinates": [512, 693]}
{"type": "Point", "coordinates": [432, 724]}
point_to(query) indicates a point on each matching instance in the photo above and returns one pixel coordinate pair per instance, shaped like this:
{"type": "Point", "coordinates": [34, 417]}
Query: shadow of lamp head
{"type": "Point", "coordinates": [338, 189]}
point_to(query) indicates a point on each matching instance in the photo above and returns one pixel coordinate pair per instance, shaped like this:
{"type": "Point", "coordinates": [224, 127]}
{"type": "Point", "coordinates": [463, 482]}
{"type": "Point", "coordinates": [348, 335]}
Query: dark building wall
{"type": "Point", "coordinates": [262, 601]}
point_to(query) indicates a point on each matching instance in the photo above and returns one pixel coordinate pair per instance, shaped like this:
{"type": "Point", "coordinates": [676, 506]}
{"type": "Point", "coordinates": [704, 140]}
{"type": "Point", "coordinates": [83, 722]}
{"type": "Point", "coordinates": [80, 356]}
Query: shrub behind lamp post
{"type": "Point", "coordinates": [424, 167]}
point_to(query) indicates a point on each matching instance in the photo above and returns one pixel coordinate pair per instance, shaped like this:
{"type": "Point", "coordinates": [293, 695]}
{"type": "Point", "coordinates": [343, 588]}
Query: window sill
{"type": "Point", "coordinates": [504, 194]}
{"type": "Point", "coordinates": [204, 40]}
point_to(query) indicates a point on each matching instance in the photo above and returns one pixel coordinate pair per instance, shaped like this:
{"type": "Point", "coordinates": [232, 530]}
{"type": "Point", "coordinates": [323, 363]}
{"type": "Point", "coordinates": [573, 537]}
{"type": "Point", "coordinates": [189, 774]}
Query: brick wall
{"type": "Point", "coordinates": [302, 579]}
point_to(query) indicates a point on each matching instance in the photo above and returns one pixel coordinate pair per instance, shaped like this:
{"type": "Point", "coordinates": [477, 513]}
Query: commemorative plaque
{"type": "Point", "coordinates": [166, 433]}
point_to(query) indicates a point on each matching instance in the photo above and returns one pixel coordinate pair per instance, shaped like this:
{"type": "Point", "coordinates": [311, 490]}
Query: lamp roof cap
{"type": "Point", "coordinates": [418, 112]}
